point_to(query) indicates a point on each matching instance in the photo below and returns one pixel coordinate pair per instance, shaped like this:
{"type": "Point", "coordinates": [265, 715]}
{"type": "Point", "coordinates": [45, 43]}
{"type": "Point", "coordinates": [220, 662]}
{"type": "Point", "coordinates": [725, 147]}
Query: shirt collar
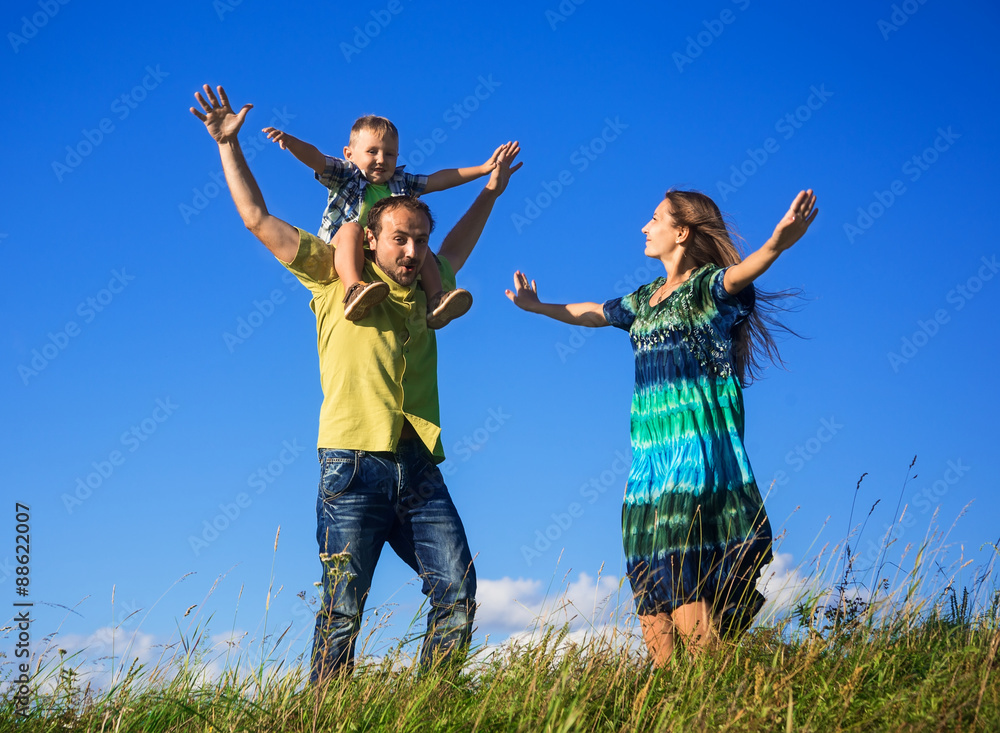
{"type": "Point", "coordinates": [397, 291]}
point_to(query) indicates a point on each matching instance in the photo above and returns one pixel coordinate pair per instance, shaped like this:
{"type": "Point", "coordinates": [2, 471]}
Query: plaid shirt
{"type": "Point", "coordinates": [347, 192]}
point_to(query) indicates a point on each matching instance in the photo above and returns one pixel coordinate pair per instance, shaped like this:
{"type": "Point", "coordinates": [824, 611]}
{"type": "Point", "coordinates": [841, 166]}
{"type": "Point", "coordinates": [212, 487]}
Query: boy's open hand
{"type": "Point", "coordinates": [277, 136]}
{"type": "Point", "coordinates": [222, 123]}
{"type": "Point", "coordinates": [524, 295]}
{"type": "Point", "coordinates": [505, 155]}
{"type": "Point", "coordinates": [796, 221]}
{"type": "Point", "coordinates": [490, 164]}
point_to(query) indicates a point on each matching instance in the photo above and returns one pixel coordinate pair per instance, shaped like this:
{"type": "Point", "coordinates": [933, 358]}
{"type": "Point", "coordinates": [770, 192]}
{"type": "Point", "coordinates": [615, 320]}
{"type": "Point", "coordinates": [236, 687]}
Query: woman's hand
{"type": "Point", "coordinates": [790, 229]}
{"type": "Point", "coordinates": [796, 221]}
{"type": "Point", "coordinates": [524, 295]}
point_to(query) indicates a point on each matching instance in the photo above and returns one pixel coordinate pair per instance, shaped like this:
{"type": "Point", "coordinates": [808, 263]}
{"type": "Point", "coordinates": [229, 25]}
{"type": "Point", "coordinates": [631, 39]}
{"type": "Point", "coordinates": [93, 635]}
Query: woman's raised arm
{"type": "Point", "coordinates": [525, 297]}
{"type": "Point", "coordinates": [790, 229]}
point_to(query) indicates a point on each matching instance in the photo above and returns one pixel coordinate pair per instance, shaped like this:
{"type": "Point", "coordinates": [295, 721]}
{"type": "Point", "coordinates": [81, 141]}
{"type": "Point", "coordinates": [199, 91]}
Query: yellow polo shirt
{"type": "Point", "coordinates": [375, 372]}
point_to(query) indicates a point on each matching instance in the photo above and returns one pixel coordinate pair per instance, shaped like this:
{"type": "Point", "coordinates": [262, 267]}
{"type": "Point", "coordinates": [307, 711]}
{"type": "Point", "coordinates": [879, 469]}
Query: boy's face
{"type": "Point", "coordinates": [374, 155]}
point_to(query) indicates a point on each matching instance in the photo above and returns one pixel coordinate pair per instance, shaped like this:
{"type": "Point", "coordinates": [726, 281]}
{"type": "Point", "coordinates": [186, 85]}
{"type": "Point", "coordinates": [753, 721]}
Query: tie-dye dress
{"type": "Point", "coordinates": [693, 520]}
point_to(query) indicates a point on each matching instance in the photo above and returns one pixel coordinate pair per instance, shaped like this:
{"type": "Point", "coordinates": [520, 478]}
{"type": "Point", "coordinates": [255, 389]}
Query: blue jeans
{"type": "Point", "coordinates": [368, 499]}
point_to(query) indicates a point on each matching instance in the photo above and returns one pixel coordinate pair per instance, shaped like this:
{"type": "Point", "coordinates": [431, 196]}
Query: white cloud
{"type": "Point", "coordinates": [104, 656]}
{"type": "Point", "coordinates": [94, 655]}
{"type": "Point", "coordinates": [515, 612]}
{"type": "Point", "coordinates": [784, 585]}
{"type": "Point", "coordinates": [514, 605]}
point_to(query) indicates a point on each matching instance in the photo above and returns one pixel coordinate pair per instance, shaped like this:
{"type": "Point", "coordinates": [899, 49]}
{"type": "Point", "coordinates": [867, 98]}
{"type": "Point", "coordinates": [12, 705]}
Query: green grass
{"type": "Point", "coordinates": [907, 671]}
{"type": "Point", "coordinates": [860, 652]}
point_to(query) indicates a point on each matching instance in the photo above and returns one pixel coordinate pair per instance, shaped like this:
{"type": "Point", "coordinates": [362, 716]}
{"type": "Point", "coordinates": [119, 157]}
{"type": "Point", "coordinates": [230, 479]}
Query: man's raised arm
{"type": "Point", "coordinates": [224, 125]}
{"type": "Point", "coordinates": [458, 245]}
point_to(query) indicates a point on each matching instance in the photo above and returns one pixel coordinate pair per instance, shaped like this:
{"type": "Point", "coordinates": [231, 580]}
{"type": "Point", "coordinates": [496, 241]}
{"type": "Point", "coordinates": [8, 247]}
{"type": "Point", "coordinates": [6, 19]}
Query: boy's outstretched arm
{"type": "Point", "coordinates": [790, 229]}
{"type": "Point", "coordinates": [457, 246]}
{"type": "Point", "coordinates": [451, 177]}
{"type": "Point", "coordinates": [224, 125]}
{"type": "Point", "coordinates": [308, 154]}
{"type": "Point", "coordinates": [525, 296]}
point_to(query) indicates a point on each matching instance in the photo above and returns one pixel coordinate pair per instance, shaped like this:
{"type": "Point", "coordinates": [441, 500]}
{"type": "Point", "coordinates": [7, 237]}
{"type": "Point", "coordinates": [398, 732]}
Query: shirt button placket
{"type": "Point", "coordinates": [404, 337]}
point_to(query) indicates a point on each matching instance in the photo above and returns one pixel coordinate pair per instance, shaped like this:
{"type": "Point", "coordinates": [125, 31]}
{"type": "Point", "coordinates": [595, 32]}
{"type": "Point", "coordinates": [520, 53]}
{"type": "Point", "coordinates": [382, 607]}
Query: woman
{"type": "Point", "coordinates": [693, 521]}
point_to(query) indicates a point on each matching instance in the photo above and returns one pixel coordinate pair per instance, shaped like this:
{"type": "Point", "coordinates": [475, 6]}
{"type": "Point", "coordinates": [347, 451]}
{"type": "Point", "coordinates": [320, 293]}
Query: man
{"type": "Point", "coordinates": [379, 437]}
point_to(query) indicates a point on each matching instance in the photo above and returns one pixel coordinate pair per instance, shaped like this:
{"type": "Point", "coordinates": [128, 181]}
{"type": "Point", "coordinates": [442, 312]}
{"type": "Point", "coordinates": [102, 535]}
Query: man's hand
{"type": "Point", "coordinates": [524, 295]}
{"type": "Point", "coordinates": [222, 123]}
{"type": "Point", "coordinates": [795, 222]}
{"type": "Point", "coordinates": [503, 169]}
{"type": "Point", "coordinates": [461, 240]}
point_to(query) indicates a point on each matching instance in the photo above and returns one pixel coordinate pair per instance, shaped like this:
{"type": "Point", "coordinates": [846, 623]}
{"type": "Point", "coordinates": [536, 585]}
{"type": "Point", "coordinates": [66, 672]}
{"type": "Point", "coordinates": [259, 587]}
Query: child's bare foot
{"type": "Point", "coordinates": [445, 307]}
{"type": "Point", "coordinates": [360, 298]}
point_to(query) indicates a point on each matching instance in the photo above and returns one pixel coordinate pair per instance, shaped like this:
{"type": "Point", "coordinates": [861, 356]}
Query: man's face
{"type": "Point", "coordinates": [374, 155]}
{"type": "Point", "coordinates": [401, 246]}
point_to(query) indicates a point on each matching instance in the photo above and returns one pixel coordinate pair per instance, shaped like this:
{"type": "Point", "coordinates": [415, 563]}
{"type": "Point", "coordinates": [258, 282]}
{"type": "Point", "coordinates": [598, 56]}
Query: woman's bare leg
{"type": "Point", "coordinates": [694, 624]}
{"type": "Point", "coordinates": [658, 632]}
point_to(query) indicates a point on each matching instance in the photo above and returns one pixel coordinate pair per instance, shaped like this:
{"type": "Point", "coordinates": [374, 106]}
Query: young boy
{"type": "Point", "coordinates": [368, 174]}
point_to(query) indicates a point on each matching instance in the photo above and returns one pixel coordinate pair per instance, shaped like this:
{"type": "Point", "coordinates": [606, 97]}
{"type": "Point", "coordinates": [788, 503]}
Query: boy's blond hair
{"type": "Point", "coordinates": [374, 124]}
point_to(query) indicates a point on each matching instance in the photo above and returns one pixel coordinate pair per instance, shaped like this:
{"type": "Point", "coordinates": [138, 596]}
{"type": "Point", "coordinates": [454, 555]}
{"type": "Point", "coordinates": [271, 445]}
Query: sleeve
{"type": "Point", "coordinates": [620, 312]}
{"type": "Point", "coordinates": [739, 306]}
{"type": "Point", "coordinates": [413, 184]}
{"type": "Point", "coordinates": [313, 263]}
{"type": "Point", "coordinates": [336, 173]}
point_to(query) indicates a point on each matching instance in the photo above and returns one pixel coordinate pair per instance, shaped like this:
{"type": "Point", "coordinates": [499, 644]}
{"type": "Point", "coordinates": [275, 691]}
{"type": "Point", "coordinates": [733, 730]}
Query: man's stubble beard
{"type": "Point", "coordinates": [393, 271]}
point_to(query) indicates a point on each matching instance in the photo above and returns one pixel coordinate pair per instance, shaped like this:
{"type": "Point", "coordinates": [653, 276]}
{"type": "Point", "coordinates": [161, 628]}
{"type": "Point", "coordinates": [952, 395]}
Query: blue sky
{"type": "Point", "coordinates": [127, 266]}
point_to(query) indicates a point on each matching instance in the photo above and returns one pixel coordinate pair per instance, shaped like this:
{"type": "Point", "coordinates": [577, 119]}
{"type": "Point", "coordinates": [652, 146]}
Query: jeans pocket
{"type": "Point", "coordinates": [338, 469]}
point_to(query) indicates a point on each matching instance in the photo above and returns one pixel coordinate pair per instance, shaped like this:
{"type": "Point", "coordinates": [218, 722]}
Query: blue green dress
{"type": "Point", "coordinates": [693, 520]}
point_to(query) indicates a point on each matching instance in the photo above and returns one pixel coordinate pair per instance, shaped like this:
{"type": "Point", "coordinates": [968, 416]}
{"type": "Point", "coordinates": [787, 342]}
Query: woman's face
{"type": "Point", "coordinates": [662, 233]}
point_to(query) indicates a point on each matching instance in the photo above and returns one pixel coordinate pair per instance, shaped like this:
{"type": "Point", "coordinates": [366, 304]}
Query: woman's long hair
{"type": "Point", "coordinates": [711, 241]}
